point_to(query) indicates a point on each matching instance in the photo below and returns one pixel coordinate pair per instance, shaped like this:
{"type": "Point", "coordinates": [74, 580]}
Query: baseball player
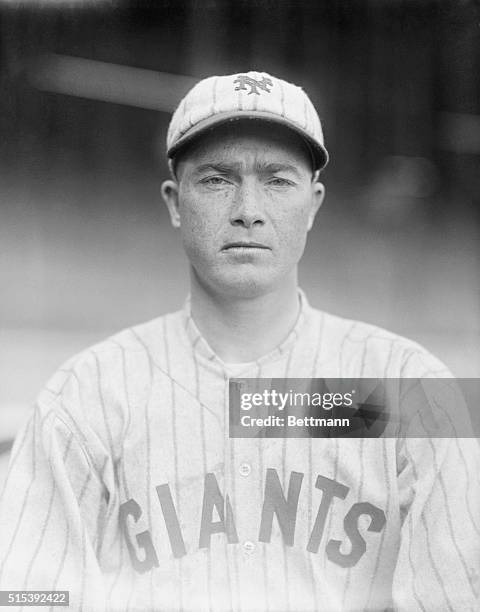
{"type": "Point", "coordinates": [125, 487]}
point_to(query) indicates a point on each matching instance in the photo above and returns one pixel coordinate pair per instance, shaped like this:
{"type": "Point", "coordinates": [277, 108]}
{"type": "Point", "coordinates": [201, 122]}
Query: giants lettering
{"type": "Point", "coordinates": [144, 557]}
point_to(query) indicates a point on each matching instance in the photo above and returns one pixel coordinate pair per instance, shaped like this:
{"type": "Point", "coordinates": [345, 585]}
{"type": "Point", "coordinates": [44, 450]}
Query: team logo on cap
{"type": "Point", "coordinates": [244, 80]}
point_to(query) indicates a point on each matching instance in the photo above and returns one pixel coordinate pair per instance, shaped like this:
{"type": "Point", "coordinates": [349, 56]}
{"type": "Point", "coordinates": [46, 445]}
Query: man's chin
{"type": "Point", "coordinates": [241, 281]}
{"type": "Point", "coordinates": [246, 285]}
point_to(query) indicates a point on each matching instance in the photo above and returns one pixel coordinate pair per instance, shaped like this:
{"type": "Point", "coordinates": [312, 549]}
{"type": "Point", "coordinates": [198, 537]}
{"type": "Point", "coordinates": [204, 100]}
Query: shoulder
{"type": "Point", "coordinates": [96, 391]}
{"type": "Point", "coordinates": [363, 349]}
{"type": "Point", "coordinates": [103, 368]}
{"type": "Point", "coordinates": [147, 336]}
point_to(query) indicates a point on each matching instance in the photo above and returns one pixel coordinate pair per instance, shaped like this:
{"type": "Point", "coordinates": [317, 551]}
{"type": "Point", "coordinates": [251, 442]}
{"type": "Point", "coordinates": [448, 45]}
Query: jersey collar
{"type": "Point", "coordinates": [205, 352]}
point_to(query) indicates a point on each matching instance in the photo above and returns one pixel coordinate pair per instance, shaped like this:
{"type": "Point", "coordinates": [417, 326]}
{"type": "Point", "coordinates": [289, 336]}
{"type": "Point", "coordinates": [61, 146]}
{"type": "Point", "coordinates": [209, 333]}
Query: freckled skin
{"type": "Point", "coordinates": [244, 182]}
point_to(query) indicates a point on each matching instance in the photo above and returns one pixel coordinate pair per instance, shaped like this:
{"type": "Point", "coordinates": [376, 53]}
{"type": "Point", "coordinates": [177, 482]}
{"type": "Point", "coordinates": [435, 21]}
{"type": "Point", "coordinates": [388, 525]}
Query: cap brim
{"type": "Point", "coordinates": [318, 151]}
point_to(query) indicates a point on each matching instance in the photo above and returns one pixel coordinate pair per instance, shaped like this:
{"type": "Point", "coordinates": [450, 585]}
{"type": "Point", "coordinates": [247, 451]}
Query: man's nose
{"type": "Point", "coordinates": [247, 207]}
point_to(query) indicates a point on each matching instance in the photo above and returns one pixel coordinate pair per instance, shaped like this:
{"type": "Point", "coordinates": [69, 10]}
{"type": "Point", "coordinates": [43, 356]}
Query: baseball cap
{"type": "Point", "coordinates": [254, 95]}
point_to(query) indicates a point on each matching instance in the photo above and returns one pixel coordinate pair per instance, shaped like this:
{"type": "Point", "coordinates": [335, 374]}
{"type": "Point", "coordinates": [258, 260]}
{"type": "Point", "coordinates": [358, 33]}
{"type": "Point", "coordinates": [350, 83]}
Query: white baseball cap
{"type": "Point", "coordinates": [250, 95]}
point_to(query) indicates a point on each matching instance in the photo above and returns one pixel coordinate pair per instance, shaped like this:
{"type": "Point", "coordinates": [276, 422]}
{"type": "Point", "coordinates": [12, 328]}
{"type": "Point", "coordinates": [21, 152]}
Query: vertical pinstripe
{"type": "Point", "coordinates": [385, 466]}
{"type": "Point", "coordinates": [335, 476]}
{"type": "Point", "coordinates": [284, 471]}
{"type": "Point", "coordinates": [233, 478]}
{"type": "Point", "coordinates": [413, 353]}
{"type": "Point", "coordinates": [255, 102]}
{"type": "Point", "coordinates": [412, 566]}
{"type": "Point", "coordinates": [318, 350]}
{"type": "Point", "coordinates": [282, 98]}
{"type": "Point", "coordinates": [47, 518]}
{"type": "Point", "coordinates": [464, 464]}
{"type": "Point", "coordinates": [310, 472]}
{"type": "Point", "coordinates": [425, 526]}
{"type": "Point", "coordinates": [147, 434]}
{"type": "Point", "coordinates": [24, 504]}
{"type": "Point", "coordinates": [18, 452]}
{"type": "Point", "coordinates": [226, 427]}
{"type": "Point", "coordinates": [284, 449]}
{"type": "Point", "coordinates": [124, 479]}
{"type": "Point", "coordinates": [101, 519]}
{"type": "Point", "coordinates": [67, 537]}
{"type": "Point", "coordinates": [310, 524]}
{"type": "Point", "coordinates": [175, 453]}
{"type": "Point", "coordinates": [84, 565]}
{"type": "Point", "coordinates": [102, 406]}
{"type": "Point", "coordinates": [103, 523]}
{"type": "Point", "coordinates": [182, 107]}
{"type": "Point", "coordinates": [46, 521]}
{"type": "Point", "coordinates": [260, 443]}
{"type": "Point", "coordinates": [190, 121]}
{"type": "Point", "coordinates": [364, 356]}
{"type": "Point", "coordinates": [467, 499]}
{"type": "Point", "coordinates": [84, 487]}
{"type": "Point", "coordinates": [213, 108]}
{"type": "Point", "coordinates": [434, 567]}
{"type": "Point", "coordinates": [305, 114]}
{"type": "Point", "coordinates": [387, 512]}
{"type": "Point", "coordinates": [122, 556]}
{"type": "Point", "coordinates": [337, 446]}
{"type": "Point", "coordinates": [127, 421]}
{"type": "Point", "coordinates": [261, 484]}
{"type": "Point", "coordinates": [284, 444]}
{"type": "Point", "coordinates": [204, 461]}
{"type": "Point", "coordinates": [360, 497]}
{"type": "Point", "coordinates": [342, 348]}
{"type": "Point", "coordinates": [389, 358]}
{"type": "Point", "coordinates": [235, 558]}
{"type": "Point", "coordinates": [448, 513]}
{"type": "Point", "coordinates": [266, 590]}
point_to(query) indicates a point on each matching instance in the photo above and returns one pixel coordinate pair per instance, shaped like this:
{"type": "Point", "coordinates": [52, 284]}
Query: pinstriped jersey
{"type": "Point", "coordinates": [125, 489]}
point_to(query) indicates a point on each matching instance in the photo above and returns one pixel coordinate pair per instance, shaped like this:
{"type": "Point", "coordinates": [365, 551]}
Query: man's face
{"type": "Point", "coordinates": [244, 202]}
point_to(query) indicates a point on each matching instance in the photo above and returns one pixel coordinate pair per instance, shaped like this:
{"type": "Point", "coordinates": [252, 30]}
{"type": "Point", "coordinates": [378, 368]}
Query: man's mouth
{"type": "Point", "coordinates": [244, 245]}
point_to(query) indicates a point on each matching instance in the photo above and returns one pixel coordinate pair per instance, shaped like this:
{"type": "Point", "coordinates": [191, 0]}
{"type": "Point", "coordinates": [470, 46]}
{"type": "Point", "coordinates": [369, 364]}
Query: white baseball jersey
{"type": "Point", "coordinates": [125, 489]}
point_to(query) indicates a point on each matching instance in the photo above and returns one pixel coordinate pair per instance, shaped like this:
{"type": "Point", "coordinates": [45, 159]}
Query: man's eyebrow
{"type": "Point", "coordinates": [277, 167]}
{"type": "Point", "coordinates": [219, 166]}
{"type": "Point", "coordinates": [225, 168]}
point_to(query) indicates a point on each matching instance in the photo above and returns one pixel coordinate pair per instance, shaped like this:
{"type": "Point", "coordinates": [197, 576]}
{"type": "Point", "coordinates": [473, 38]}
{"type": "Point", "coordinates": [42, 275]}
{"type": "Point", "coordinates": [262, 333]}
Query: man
{"type": "Point", "coordinates": [125, 487]}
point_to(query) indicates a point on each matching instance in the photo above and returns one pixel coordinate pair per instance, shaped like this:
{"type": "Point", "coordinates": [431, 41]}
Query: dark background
{"type": "Point", "coordinates": [86, 247]}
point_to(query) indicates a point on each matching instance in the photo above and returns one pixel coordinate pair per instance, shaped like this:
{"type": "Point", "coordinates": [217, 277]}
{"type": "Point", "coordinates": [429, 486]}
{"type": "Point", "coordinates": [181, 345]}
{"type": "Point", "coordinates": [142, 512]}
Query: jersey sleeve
{"type": "Point", "coordinates": [51, 511]}
{"type": "Point", "coordinates": [438, 565]}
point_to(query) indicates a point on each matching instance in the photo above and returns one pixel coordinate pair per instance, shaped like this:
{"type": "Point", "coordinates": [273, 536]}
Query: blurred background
{"type": "Point", "coordinates": [86, 95]}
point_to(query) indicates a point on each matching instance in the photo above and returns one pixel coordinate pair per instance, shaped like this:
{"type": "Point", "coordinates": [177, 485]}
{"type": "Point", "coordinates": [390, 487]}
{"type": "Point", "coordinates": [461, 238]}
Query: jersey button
{"type": "Point", "coordinates": [248, 547]}
{"type": "Point", "coordinates": [245, 469]}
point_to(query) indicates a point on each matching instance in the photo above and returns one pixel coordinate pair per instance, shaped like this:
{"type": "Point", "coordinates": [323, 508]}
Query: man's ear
{"type": "Point", "coordinates": [318, 194]}
{"type": "Point", "coordinates": [170, 197]}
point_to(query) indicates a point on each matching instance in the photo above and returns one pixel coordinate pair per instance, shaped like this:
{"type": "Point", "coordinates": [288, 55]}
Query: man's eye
{"type": "Point", "coordinates": [214, 180]}
{"type": "Point", "coordinates": [279, 182]}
